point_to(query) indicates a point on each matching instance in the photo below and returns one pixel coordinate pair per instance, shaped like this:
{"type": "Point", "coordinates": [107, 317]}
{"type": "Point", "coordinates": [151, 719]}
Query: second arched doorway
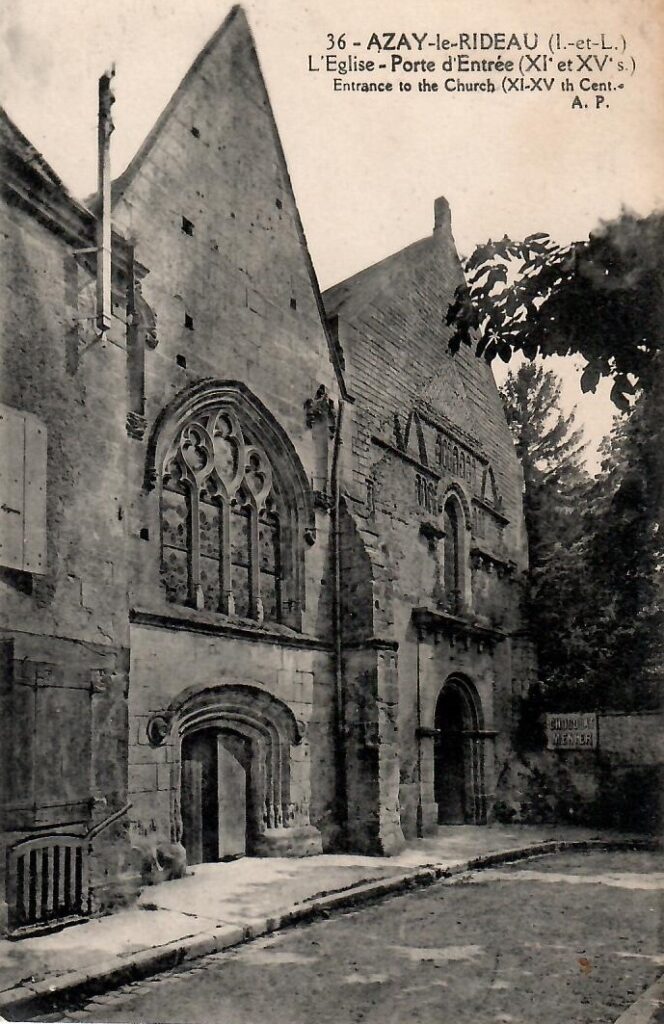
{"type": "Point", "coordinates": [458, 755]}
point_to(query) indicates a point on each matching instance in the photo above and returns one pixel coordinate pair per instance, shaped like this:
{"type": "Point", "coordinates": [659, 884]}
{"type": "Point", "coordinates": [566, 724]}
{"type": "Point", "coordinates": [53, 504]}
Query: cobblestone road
{"type": "Point", "coordinates": [567, 939]}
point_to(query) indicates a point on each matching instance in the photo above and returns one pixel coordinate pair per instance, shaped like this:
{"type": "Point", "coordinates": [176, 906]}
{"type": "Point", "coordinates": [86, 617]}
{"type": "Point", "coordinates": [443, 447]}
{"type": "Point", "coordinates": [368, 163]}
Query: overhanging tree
{"type": "Point", "coordinates": [603, 300]}
{"type": "Point", "coordinates": [622, 567]}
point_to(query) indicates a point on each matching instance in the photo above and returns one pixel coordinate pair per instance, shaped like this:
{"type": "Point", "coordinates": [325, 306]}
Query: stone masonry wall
{"type": "Point", "coordinates": [209, 202]}
{"type": "Point", "coordinates": [241, 276]}
{"type": "Point", "coordinates": [391, 328]}
{"type": "Point", "coordinates": [164, 664]}
{"type": "Point", "coordinates": [65, 632]}
{"type": "Point", "coordinates": [616, 785]}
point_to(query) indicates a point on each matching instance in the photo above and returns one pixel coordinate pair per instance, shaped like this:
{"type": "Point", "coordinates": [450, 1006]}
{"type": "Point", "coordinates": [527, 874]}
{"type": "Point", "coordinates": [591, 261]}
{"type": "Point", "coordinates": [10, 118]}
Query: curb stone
{"type": "Point", "coordinates": [46, 995]}
{"type": "Point", "coordinates": [647, 1008]}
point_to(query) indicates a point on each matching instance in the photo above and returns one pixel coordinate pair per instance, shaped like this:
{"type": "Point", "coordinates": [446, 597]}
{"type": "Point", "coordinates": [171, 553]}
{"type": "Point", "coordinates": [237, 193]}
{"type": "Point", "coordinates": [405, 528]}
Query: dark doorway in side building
{"type": "Point", "coordinates": [450, 782]}
{"type": "Point", "coordinates": [215, 766]}
{"type": "Point", "coordinates": [458, 770]}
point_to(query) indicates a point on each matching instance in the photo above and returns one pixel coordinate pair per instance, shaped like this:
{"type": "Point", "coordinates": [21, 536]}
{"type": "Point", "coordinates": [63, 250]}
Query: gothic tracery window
{"type": "Point", "coordinates": [223, 522]}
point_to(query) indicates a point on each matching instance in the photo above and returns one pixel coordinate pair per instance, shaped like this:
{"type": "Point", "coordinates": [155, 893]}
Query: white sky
{"type": "Point", "coordinates": [365, 168]}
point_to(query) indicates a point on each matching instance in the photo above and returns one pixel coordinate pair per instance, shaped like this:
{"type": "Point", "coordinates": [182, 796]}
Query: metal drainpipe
{"type": "Point", "coordinates": [419, 812]}
{"type": "Point", "coordinates": [340, 711]}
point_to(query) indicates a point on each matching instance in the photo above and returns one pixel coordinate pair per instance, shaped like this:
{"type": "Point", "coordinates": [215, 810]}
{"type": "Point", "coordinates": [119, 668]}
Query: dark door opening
{"type": "Point", "coordinates": [450, 770]}
{"type": "Point", "coordinates": [199, 797]}
{"type": "Point", "coordinates": [213, 795]}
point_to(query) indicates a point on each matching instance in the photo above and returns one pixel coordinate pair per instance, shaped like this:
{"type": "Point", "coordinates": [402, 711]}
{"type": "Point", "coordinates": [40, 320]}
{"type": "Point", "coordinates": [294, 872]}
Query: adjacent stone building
{"type": "Point", "coordinates": [260, 548]}
{"type": "Point", "coordinates": [433, 552]}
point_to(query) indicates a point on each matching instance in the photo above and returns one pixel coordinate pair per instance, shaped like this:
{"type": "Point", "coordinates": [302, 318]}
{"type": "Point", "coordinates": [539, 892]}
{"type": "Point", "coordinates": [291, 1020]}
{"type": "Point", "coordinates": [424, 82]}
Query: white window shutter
{"type": "Point", "coordinates": [22, 491]}
{"type": "Point", "coordinates": [34, 537]}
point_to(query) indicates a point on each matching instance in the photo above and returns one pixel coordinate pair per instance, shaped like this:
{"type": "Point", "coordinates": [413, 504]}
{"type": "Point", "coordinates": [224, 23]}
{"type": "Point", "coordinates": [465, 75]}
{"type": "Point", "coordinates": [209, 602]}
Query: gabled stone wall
{"type": "Point", "coordinates": [235, 303]}
{"type": "Point", "coordinates": [427, 429]}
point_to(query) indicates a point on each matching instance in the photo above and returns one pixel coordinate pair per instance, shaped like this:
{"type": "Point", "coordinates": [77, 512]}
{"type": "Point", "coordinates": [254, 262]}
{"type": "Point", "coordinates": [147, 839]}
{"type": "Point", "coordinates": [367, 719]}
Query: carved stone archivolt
{"type": "Point", "coordinates": [279, 797]}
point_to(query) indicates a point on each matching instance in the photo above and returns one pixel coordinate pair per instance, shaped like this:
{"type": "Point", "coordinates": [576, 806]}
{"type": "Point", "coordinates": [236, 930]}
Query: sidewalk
{"type": "Point", "coordinates": [221, 905]}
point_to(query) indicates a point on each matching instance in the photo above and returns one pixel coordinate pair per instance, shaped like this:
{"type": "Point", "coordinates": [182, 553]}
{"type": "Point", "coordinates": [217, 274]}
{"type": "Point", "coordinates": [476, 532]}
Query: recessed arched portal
{"type": "Point", "coordinates": [458, 754]}
{"type": "Point", "coordinates": [234, 792]}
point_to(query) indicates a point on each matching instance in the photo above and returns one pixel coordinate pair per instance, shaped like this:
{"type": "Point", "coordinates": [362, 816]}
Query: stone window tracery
{"type": "Point", "coordinates": [224, 523]}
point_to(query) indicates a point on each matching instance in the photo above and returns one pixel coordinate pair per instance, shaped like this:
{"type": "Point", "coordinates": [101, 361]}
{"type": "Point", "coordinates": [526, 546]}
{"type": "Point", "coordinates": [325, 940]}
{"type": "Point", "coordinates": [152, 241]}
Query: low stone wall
{"type": "Point", "coordinates": [616, 785]}
{"type": "Point", "coordinates": [633, 739]}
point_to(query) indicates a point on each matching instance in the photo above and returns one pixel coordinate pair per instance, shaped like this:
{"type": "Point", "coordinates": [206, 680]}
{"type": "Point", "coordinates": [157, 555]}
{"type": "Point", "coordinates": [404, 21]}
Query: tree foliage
{"type": "Point", "coordinates": [601, 298]}
{"type": "Point", "coordinates": [556, 485]}
{"type": "Point", "coordinates": [550, 449]}
{"type": "Point", "coordinates": [596, 551]}
{"type": "Point", "coordinates": [597, 547]}
{"type": "Point", "coordinates": [623, 560]}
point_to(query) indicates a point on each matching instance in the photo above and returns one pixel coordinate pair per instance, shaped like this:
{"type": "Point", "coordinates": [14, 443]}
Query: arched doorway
{"type": "Point", "coordinates": [239, 787]}
{"type": "Point", "coordinates": [458, 755]}
{"type": "Point", "coordinates": [216, 794]}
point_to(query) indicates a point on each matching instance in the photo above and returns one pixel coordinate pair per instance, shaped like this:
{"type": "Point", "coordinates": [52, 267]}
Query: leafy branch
{"type": "Point", "coordinates": [601, 299]}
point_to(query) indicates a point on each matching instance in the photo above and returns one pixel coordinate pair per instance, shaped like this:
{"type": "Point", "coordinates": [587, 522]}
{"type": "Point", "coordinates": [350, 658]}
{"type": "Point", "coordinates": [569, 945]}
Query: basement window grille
{"type": "Point", "coordinates": [47, 883]}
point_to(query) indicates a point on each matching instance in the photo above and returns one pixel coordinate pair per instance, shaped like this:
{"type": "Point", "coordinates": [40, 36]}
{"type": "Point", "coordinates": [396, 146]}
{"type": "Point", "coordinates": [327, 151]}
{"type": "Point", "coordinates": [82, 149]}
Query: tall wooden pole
{"type": "Point", "coordinates": [104, 129]}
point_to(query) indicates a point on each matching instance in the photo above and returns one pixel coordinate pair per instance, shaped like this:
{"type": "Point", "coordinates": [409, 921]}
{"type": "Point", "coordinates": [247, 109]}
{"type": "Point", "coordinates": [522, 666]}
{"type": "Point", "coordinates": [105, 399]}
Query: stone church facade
{"type": "Point", "coordinates": [433, 553]}
{"type": "Point", "coordinates": [260, 548]}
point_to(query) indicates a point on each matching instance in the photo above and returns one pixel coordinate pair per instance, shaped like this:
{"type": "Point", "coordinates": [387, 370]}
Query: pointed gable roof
{"type": "Point", "coordinates": [351, 295]}
{"type": "Point", "coordinates": [236, 22]}
{"type": "Point", "coordinates": [125, 179]}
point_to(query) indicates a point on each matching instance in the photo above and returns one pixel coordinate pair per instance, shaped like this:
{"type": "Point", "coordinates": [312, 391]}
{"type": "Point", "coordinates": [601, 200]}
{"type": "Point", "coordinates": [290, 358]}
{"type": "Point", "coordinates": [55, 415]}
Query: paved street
{"type": "Point", "coordinates": [565, 939]}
